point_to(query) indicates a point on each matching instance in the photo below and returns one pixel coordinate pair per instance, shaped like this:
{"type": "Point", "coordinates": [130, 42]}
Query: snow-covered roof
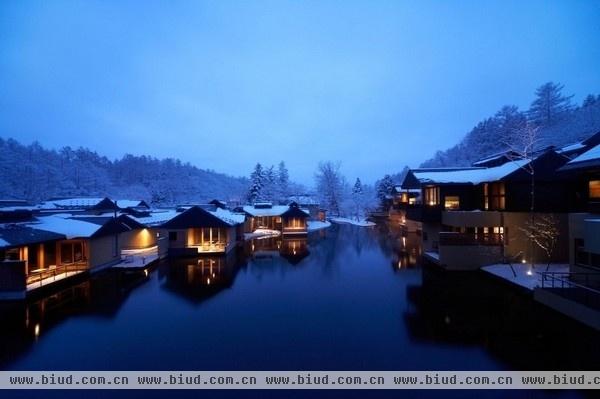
{"type": "Point", "coordinates": [125, 203]}
{"type": "Point", "coordinates": [572, 147]}
{"type": "Point", "coordinates": [592, 154]}
{"type": "Point", "coordinates": [157, 217]}
{"type": "Point", "coordinates": [79, 202]}
{"type": "Point", "coordinates": [275, 210]}
{"type": "Point", "coordinates": [63, 224]}
{"type": "Point", "coordinates": [4, 243]}
{"type": "Point", "coordinates": [473, 176]}
{"type": "Point", "coordinates": [229, 217]}
{"type": "Point", "coordinates": [489, 158]}
{"type": "Point", "coordinates": [303, 199]}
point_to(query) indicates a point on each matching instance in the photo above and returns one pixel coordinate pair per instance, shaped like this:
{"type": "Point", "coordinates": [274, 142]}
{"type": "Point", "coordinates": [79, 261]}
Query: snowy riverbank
{"type": "Point", "coordinates": [314, 225]}
{"type": "Point", "coordinates": [360, 222]}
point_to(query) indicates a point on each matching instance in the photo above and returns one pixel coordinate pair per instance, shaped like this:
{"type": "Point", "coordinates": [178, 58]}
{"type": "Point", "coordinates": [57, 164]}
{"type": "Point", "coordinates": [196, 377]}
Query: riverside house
{"type": "Point", "coordinates": [37, 251]}
{"type": "Point", "coordinates": [471, 217]}
{"type": "Point", "coordinates": [285, 219]}
{"type": "Point", "coordinates": [576, 293]}
{"type": "Point", "coordinates": [202, 229]}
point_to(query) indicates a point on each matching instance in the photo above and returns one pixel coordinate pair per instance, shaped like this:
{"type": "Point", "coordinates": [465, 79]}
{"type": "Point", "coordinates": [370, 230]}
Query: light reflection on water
{"type": "Point", "coordinates": [347, 298]}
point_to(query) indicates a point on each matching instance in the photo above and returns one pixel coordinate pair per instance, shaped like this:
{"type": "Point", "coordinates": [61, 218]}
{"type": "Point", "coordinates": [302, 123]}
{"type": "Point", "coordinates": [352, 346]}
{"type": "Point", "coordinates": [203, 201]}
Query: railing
{"type": "Point", "coordinates": [579, 287]}
{"type": "Point", "coordinates": [40, 275]}
{"type": "Point", "coordinates": [452, 238]}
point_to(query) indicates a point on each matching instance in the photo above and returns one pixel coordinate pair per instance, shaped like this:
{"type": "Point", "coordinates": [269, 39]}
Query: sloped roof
{"type": "Point", "coordinates": [121, 224]}
{"type": "Point", "coordinates": [195, 217]}
{"type": "Point", "coordinates": [76, 227]}
{"type": "Point", "coordinates": [294, 212]}
{"type": "Point", "coordinates": [590, 158]}
{"type": "Point", "coordinates": [16, 235]}
{"type": "Point", "coordinates": [470, 176]}
{"type": "Point", "coordinates": [275, 210]}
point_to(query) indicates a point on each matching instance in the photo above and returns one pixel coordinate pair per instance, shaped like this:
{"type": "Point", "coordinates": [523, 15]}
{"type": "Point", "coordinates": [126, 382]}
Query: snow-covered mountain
{"type": "Point", "coordinates": [34, 173]}
{"type": "Point", "coordinates": [559, 122]}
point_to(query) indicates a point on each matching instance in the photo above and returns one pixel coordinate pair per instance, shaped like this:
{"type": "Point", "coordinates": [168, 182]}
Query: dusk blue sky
{"type": "Point", "coordinates": [376, 85]}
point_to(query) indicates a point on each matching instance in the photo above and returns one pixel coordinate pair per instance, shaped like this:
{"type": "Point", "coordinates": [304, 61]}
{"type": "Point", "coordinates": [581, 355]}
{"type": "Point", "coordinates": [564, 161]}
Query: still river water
{"type": "Point", "coordinates": [346, 298]}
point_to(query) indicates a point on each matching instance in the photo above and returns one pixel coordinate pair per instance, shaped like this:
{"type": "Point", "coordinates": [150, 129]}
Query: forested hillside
{"type": "Point", "coordinates": [559, 122]}
{"type": "Point", "coordinates": [34, 173]}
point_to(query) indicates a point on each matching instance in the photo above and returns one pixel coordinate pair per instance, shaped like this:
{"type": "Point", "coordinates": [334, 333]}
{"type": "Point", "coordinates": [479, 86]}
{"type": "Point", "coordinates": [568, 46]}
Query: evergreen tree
{"type": "Point", "coordinates": [283, 181]}
{"type": "Point", "coordinates": [384, 188]}
{"type": "Point", "coordinates": [357, 197]}
{"type": "Point", "coordinates": [256, 184]}
{"type": "Point", "coordinates": [549, 104]}
{"type": "Point", "coordinates": [357, 189]}
{"type": "Point", "coordinates": [589, 100]}
{"type": "Point", "coordinates": [269, 184]}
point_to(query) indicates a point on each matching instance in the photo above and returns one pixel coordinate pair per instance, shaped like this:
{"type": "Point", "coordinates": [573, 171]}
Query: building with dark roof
{"type": "Point", "coordinates": [200, 231]}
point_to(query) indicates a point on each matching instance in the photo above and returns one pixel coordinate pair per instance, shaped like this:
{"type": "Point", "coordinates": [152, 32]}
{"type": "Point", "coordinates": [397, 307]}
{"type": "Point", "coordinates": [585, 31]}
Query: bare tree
{"type": "Point", "coordinates": [522, 149]}
{"type": "Point", "coordinates": [330, 185]}
{"type": "Point", "coordinates": [544, 232]}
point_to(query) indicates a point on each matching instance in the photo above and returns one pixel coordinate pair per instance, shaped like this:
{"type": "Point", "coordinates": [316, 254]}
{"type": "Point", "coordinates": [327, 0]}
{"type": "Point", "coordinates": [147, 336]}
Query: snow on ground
{"type": "Point", "coordinates": [137, 258]}
{"type": "Point", "coordinates": [526, 276]}
{"type": "Point", "coordinates": [49, 280]}
{"type": "Point", "coordinates": [314, 225]}
{"type": "Point", "coordinates": [360, 222]}
{"type": "Point", "coordinates": [262, 233]}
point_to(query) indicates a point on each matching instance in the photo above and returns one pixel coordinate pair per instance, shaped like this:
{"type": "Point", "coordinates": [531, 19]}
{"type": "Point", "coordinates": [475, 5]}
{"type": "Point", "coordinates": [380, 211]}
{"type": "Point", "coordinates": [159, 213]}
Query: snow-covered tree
{"type": "Point", "coordinates": [549, 105]}
{"type": "Point", "coordinates": [33, 173]}
{"type": "Point", "coordinates": [384, 188]}
{"type": "Point", "coordinates": [283, 181]}
{"type": "Point", "coordinates": [358, 198]}
{"type": "Point", "coordinates": [270, 189]}
{"type": "Point", "coordinates": [589, 100]}
{"type": "Point", "coordinates": [256, 184]}
{"type": "Point", "coordinates": [330, 186]}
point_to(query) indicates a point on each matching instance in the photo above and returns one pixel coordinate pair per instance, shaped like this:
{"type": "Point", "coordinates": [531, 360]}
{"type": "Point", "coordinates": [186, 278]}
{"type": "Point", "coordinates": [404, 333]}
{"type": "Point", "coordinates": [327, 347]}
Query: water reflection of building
{"type": "Point", "coordinates": [25, 322]}
{"type": "Point", "coordinates": [200, 278]}
{"type": "Point", "coordinates": [406, 249]}
{"type": "Point", "coordinates": [294, 250]}
{"type": "Point", "coordinates": [468, 310]}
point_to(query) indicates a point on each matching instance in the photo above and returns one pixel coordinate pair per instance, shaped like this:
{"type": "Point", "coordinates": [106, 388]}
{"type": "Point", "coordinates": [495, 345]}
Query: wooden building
{"type": "Point", "coordinates": [474, 216]}
{"type": "Point", "coordinates": [46, 249]}
{"type": "Point", "coordinates": [287, 219]}
{"type": "Point", "coordinates": [200, 231]}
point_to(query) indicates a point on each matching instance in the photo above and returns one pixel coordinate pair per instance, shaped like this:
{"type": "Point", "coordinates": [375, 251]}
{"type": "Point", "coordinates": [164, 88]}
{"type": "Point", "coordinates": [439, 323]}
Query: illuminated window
{"type": "Point", "coordinates": [494, 196]}
{"type": "Point", "coordinates": [451, 202]}
{"type": "Point", "coordinates": [594, 189]}
{"type": "Point", "coordinates": [432, 195]}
